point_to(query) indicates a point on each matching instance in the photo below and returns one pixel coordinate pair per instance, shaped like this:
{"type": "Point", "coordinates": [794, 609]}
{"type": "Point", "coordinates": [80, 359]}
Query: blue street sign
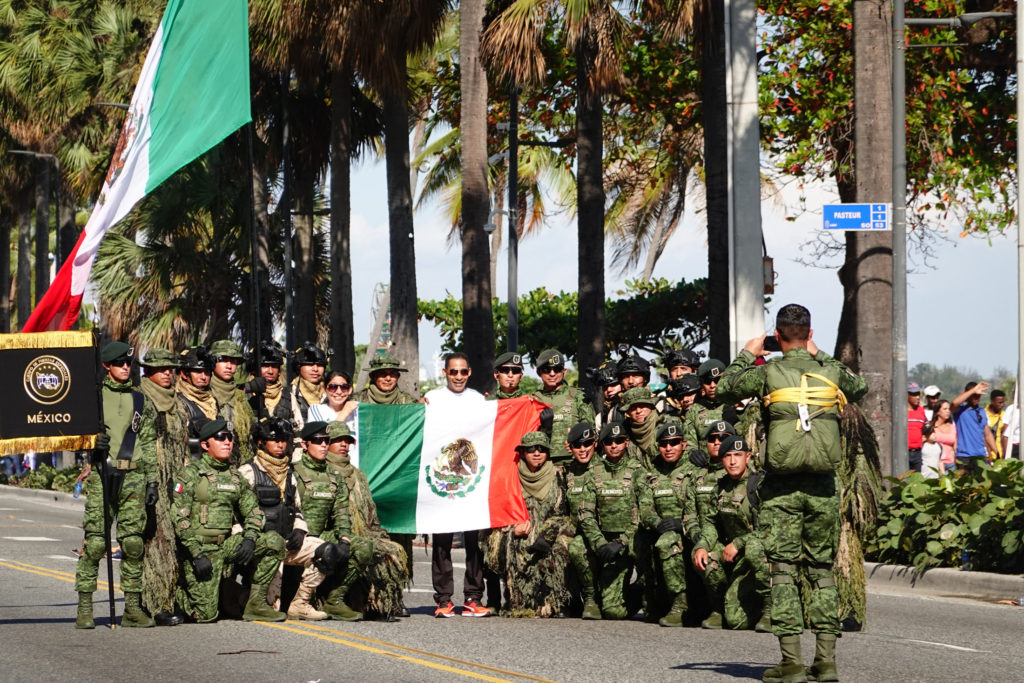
{"type": "Point", "coordinates": [856, 216]}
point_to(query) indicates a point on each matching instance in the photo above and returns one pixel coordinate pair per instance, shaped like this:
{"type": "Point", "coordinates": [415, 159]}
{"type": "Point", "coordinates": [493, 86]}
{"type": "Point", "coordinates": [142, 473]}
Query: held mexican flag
{"type": "Point", "coordinates": [192, 92]}
{"type": "Point", "coordinates": [445, 466]}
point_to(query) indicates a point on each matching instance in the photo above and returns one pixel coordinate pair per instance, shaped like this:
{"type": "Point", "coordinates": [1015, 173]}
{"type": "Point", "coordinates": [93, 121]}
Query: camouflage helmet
{"type": "Point", "coordinates": [225, 348]}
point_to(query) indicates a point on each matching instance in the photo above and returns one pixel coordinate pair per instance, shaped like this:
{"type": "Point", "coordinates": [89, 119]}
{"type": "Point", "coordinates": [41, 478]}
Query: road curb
{"type": "Point", "coordinates": [55, 498]}
{"type": "Point", "coordinates": [948, 582]}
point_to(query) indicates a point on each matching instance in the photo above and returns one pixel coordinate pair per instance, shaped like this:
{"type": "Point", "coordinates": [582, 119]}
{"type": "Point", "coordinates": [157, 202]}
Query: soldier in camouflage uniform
{"type": "Point", "coordinates": [633, 371]}
{"type": "Point", "coordinates": [232, 405]}
{"type": "Point", "coordinates": [642, 422]}
{"type": "Point", "coordinates": [387, 571]}
{"type": "Point", "coordinates": [660, 495]}
{"type": "Point", "coordinates": [608, 519]}
{"type": "Point", "coordinates": [729, 555]}
{"type": "Point", "coordinates": [307, 388]}
{"type": "Point", "coordinates": [803, 393]}
{"type": "Point", "coordinates": [508, 373]}
{"type": "Point", "coordinates": [707, 409]}
{"type": "Point", "coordinates": [382, 388]}
{"type": "Point", "coordinates": [131, 483]}
{"type": "Point", "coordinates": [609, 389]}
{"type": "Point", "coordinates": [581, 442]}
{"type": "Point", "coordinates": [569, 404]}
{"type": "Point", "coordinates": [209, 498]}
{"type": "Point", "coordinates": [325, 503]}
{"type": "Point", "coordinates": [680, 362]}
{"type": "Point", "coordinates": [195, 368]}
{"type": "Point", "coordinates": [274, 397]}
{"type": "Point", "coordinates": [678, 396]}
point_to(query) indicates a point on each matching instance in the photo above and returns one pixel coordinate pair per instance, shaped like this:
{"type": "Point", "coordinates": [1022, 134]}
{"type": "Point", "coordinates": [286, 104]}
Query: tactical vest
{"type": "Point", "coordinates": [616, 509]}
{"type": "Point", "coordinates": [279, 512]}
{"type": "Point", "coordinates": [574, 488]}
{"type": "Point", "coordinates": [735, 513]}
{"type": "Point", "coordinates": [216, 497]}
{"type": "Point", "coordinates": [668, 491]}
{"type": "Point", "coordinates": [318, 491]}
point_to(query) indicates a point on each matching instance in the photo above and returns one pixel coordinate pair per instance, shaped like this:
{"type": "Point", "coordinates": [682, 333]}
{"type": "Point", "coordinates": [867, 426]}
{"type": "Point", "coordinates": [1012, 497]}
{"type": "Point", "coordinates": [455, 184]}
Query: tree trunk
{"type": "Point", "coordinates": [477, 317]}
{"type": "Point", "coordinates": [496, 240]}
{"type": "Point", "coordinates": [867, 272]}
{"type": "Point", "coordinates": [24, 285]}
{"type": "Point", "coordinates": [716, 178]}
{"type": "Point", "coordinates": [404, 313]}
{"type": "Point", "coordinates": [305, 289]}
{"type": "Point", "coordinates": [342, 331]}
{"type": "Point", "coordinates": [262, 224]}
{"type": "Point", "coordinates": [42, 227]}
{"type": "Point", "coordinates": [5, 272]}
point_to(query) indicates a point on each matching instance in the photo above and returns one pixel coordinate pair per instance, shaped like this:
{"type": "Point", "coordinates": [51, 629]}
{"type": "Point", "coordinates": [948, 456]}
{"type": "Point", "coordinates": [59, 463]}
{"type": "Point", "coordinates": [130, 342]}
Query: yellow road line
{"type": "Point", "coordinates": [367, 648]}
{"type": "Point", "coordinates": [426, 653]}
{"type": "Point", "coordinates": [53, 573]}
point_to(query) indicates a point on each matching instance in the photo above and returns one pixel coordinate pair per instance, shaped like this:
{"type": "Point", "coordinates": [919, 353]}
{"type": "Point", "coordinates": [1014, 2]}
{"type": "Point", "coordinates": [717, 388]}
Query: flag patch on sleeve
{"type": "Point", "coordinates": [178, 488]}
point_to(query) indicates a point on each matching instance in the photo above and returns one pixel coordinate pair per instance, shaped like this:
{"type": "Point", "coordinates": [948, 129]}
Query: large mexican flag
{"type": "Point", "coordinates": [447, 467]}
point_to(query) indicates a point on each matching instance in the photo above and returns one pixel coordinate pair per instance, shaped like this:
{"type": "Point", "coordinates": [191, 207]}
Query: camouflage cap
{"type": "Point", "coordinates": [719, 427]}
{"type": "Point", "coordinates": [711, 369]}
{"type": "Point", "coordinates": [581, 431]}
{"type": "Point", "coordinates": [212, 427]}
{"type": "Point", "coordinates": [509, 358]}
{"type": "Point", "coordinates": [734, 444]}
{"type": "Point", "coordinates": [115, 350]}
{"type": "Point", "coordinates": [550, 357]}
{"type": "Point", "coordinates": [637, 396]}
{"type": "Point", "coordinates": [612, 429]}
{"type": "Point", "coordinates": [313, 429]}
{"type": "Point", "coordinates": [385, 361]}
{"type": "Point", "coordinates": [669, 430]}
{"type": "Point", "coordinates": [159, 358]}
{"type": "Point", "coordinates": [339, 430]}
{"type": "Point", "coordinates": [225, 348]}
{"type": "Point", "coordinates": [534, 439]}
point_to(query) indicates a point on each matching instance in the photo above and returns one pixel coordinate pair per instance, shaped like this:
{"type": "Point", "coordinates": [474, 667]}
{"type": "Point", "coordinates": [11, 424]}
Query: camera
{"type": "Point", "coordinates": [771, 343]}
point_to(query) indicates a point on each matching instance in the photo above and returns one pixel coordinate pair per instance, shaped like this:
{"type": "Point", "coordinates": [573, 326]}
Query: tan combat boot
{"type": "Point", "coordinates": [300, 607]}
{"type": "Point", "coordinates": [85, 619]}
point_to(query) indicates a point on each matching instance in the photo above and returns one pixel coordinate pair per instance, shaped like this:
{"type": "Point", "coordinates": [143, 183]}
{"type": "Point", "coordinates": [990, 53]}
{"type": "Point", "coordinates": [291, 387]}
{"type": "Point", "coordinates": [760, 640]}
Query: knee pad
{"type": "Point", "coordinates": [132, 547]}
{"type": "Point", "coordinates": [94, 547]}
{"type": "Point", "coordinates": [821, 577]}
{"type": "Point", "coordinates": [782, 572]}
{"type": "Point", "coordinates": [273, 541]}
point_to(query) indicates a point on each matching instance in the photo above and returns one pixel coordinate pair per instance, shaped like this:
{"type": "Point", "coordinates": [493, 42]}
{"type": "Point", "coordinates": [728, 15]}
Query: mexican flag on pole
{"type": "Point", "coordinates": [445, 466]}
{"type": "Point", "coordinates": [193, 92]}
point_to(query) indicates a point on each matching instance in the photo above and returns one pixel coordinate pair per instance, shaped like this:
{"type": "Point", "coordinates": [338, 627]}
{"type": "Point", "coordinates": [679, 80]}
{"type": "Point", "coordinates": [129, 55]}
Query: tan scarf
{"type": "Point", "coordinates": [275, 467]}
{"type": "Point", "coordinates": [342, 463]}
{"type": "Point", "coordinates": [536, 484]}
{"type": "Point", "coordinates": [223, 392]}
{"type": "Point", "coordinates": [385, 398]}
{"type": "Point", "coordinates": [311, 391]}
{"type": "Point", "coordinates": [272, 394]}
{"type": "Point", "coordinates": [201, 397]}
{"type": "Point", "coordinates": [162, 398]}
{"type": "Point", "coordinates": [643, 433]}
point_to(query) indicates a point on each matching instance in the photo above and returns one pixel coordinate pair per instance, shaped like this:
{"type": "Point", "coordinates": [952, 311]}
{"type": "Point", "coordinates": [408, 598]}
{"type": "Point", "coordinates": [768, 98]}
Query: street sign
{"type": "Point", "coordinates": [857, 216]}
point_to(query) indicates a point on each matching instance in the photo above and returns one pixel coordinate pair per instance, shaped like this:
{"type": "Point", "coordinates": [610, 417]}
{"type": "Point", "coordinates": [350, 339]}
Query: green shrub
{"type": "Point", "coordinates": [48, 479]}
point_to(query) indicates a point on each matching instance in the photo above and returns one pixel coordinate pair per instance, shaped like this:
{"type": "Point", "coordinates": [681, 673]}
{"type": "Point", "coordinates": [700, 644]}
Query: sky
{"type": "Point", "coordinates": [961, 302]}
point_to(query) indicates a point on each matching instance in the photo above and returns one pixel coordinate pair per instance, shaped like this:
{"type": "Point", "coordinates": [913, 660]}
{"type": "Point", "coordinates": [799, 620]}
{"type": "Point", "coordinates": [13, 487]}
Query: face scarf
{"type": "Point", "coordinates": [536, 484]}
{"type": "Point", "coordinates": [162, 398]}
{"type": "Point", "coordinates": [643, 433]}
{"type": "Point", "coordinates": [311, 391]}
{"type": "Point", "coordinates": [275, 467]}
{"type": "Point", "coordinates": [272, 394]}
{"type": "Point", "coordinates": [383, 397]}
{"type": "Point", "coordinates": [201, 397]}
{"type": "Point", "coordinates": [223, 392]}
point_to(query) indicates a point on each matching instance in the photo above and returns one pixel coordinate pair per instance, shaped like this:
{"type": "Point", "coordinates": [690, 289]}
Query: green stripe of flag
{"type": "Point", "coordinates": [390, 441]}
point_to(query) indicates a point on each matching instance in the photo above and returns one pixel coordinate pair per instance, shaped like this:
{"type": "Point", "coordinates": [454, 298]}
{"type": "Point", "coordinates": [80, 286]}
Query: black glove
{"type": "Point", "coordinates": [670, 524]}
{"type": "Point", "coordinates": [547, 419]}
{"type": "Point", "coordinates": [295, 539]}
{"type": "Point", "coordinates": [102, 449]}
{"type": "Point", "coordinates": [151, 494]}
{"type": "Point", "coordinates": [257, 385]}
{"type": "Point", "coordinates": [609, 551]}
{"type": "Point", "coordinates": [203, 568]}
{"type": "Point", "coordinates": [344, 552]}
{"type": "Point", "coordinates": [699, 457]}
{"type": "Point", "coordinates": [246, 551]}
{"type": "Point", "coordinates": [540, 547]}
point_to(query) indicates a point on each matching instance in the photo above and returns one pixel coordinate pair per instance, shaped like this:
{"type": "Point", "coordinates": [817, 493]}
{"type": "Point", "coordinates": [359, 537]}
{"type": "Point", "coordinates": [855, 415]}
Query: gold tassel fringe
{"type": "Point", "coordinates": [47, 340]}
{"type": "Point", "coordinates": [47, 444]}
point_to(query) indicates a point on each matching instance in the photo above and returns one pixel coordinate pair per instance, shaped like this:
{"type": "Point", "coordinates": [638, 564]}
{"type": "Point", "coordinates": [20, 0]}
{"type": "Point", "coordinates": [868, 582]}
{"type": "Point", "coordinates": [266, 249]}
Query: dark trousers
{"type": "Point", "coordinates": [441, 567]}
{"type": "Point", "coordinates": [914, 458]}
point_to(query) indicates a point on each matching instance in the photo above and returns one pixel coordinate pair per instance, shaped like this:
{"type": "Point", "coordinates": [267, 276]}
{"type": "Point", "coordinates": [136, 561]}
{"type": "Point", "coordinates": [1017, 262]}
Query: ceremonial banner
{"type": "Point", "coordinates": [50, 392]}
{"type": "Point", "coordinates": [193, 91]}
{"type": "Point", "coordinates": [445, 468]}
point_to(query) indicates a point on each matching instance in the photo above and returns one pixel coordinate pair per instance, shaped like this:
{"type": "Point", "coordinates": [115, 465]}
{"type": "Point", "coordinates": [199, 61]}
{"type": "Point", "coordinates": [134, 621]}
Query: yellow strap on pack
{"type": "Point", "coordinates": [825, 396]}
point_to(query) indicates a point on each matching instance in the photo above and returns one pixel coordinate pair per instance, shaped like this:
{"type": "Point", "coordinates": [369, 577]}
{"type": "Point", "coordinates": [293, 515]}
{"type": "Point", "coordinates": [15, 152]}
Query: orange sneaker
{"type": "Point", "coordinates": [474, 609]}
{"type": "Point", "coordinates": [444, 609]}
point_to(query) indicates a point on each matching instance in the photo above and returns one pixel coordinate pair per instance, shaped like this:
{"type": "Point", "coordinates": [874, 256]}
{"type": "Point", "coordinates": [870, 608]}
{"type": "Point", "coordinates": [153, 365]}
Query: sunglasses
{"type": "Point", "coordinates": [714, 438]}
{"type": "Point", "coordinates": [617, 440]}
{"type": "Point", "coordinates": [346, 439]}
{"type": "Point", "coordinates": [552, 369]}
{"type": "Point", "coordinates": [534, 449]}
{"type": "Point", "coordinates": [119, 363]}
{"type": "Point", "coordinates": [670, 442]}
{"type": "Point", "coordinates": [223, 436]}
{"type": "Point", "coordinates": [338, 387]}
{"type": "Point", "coordinates": [455, 372]}
{"type": "Point", "coordinates": [586, 443]}
{"type": "Point", "coordinates": [507, 369]}
{"type": "Point", "coordinates": [319, 440]}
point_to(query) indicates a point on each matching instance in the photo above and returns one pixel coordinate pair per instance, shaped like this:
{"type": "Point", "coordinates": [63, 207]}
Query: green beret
{"type": "Point", "coordinates": [509, 358]}
{"type": "Point", "coordinates": [212, 427]}
{"type": "Point", "coordinates": [225, 348]}
{"type": "Point", "coordinates": [637, 396]}
{"type": "Point", "coordinates": [534, 439]}
{"type": "Point", "coordinates": [159, 358]}
{"type": "Point", "coordinates": [338, 429]}
{"type": "Point", "coordinates": [669, 430]}
{"type": "Point", "coordinates": [115, 350]}
{"type": "Point", "coordinates": [580, 431]}
{"type": "Point", "coordinates": [711, 369]}
{"type": "Point", "coordinates": [734, 444]}
{"type": "Point", "coordinates": [385, 361]}
{"type": "Point", "coordinates": [612, 429]}
{"type": "Point", "coordinates": [313, 429]}
{"type": "Point", "coordinates": [719, 427]}
{"type": "Point", "coordinates": [550, 357]}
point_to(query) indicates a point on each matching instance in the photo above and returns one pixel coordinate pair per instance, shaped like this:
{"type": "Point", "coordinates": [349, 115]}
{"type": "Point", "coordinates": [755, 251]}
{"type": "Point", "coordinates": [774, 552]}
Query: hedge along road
{"type": "Point", "coordinates": [915, 638]}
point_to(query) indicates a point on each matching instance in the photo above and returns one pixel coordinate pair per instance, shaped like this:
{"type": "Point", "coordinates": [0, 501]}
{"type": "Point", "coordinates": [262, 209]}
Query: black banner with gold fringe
{"type": "Point", "coordinates": [49, 392]}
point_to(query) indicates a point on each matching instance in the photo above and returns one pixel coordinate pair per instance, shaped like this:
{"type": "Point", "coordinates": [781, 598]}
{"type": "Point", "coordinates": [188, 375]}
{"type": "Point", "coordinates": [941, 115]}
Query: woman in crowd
{"type": "Point", "coordinates": [944, 432]}
{"type": "Point", "coordinates": [338, 404]}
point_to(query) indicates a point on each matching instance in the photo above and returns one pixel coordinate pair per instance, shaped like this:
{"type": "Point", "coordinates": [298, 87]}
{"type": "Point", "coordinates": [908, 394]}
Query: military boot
{"type": "Point", "coordinates": [764, 624]}
{"type": "Point", "coordinates": [791, 668]}
{"type": "Point", "coordinates": [714, 621]}
{"type": "Point", "coordinates": [676, 613]}
{"type": "Point", "coordinates": [300, 607]}
{"type": "Point", "coordinates": [85, 619]}
{"type": "Point", "coordinates": [590, 608]}
{"type": "Point", "coordinates": [824, 666]}
{"type": "Point", "coordinates": [336, 608]}
{"type": "Point", "coordinates": [257, 608]}
{"type": "Point", "coordinates": [134, 616]}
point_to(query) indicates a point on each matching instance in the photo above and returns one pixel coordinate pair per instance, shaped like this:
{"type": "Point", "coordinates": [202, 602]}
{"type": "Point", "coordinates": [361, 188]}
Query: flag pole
{"type": "Point", "coordinates": [254, 249]}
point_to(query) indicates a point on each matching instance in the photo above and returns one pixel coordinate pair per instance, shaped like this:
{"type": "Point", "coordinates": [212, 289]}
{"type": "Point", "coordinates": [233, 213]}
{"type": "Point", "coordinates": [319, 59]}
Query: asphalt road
{"type": "Point", "coordinates": [909, 638]}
